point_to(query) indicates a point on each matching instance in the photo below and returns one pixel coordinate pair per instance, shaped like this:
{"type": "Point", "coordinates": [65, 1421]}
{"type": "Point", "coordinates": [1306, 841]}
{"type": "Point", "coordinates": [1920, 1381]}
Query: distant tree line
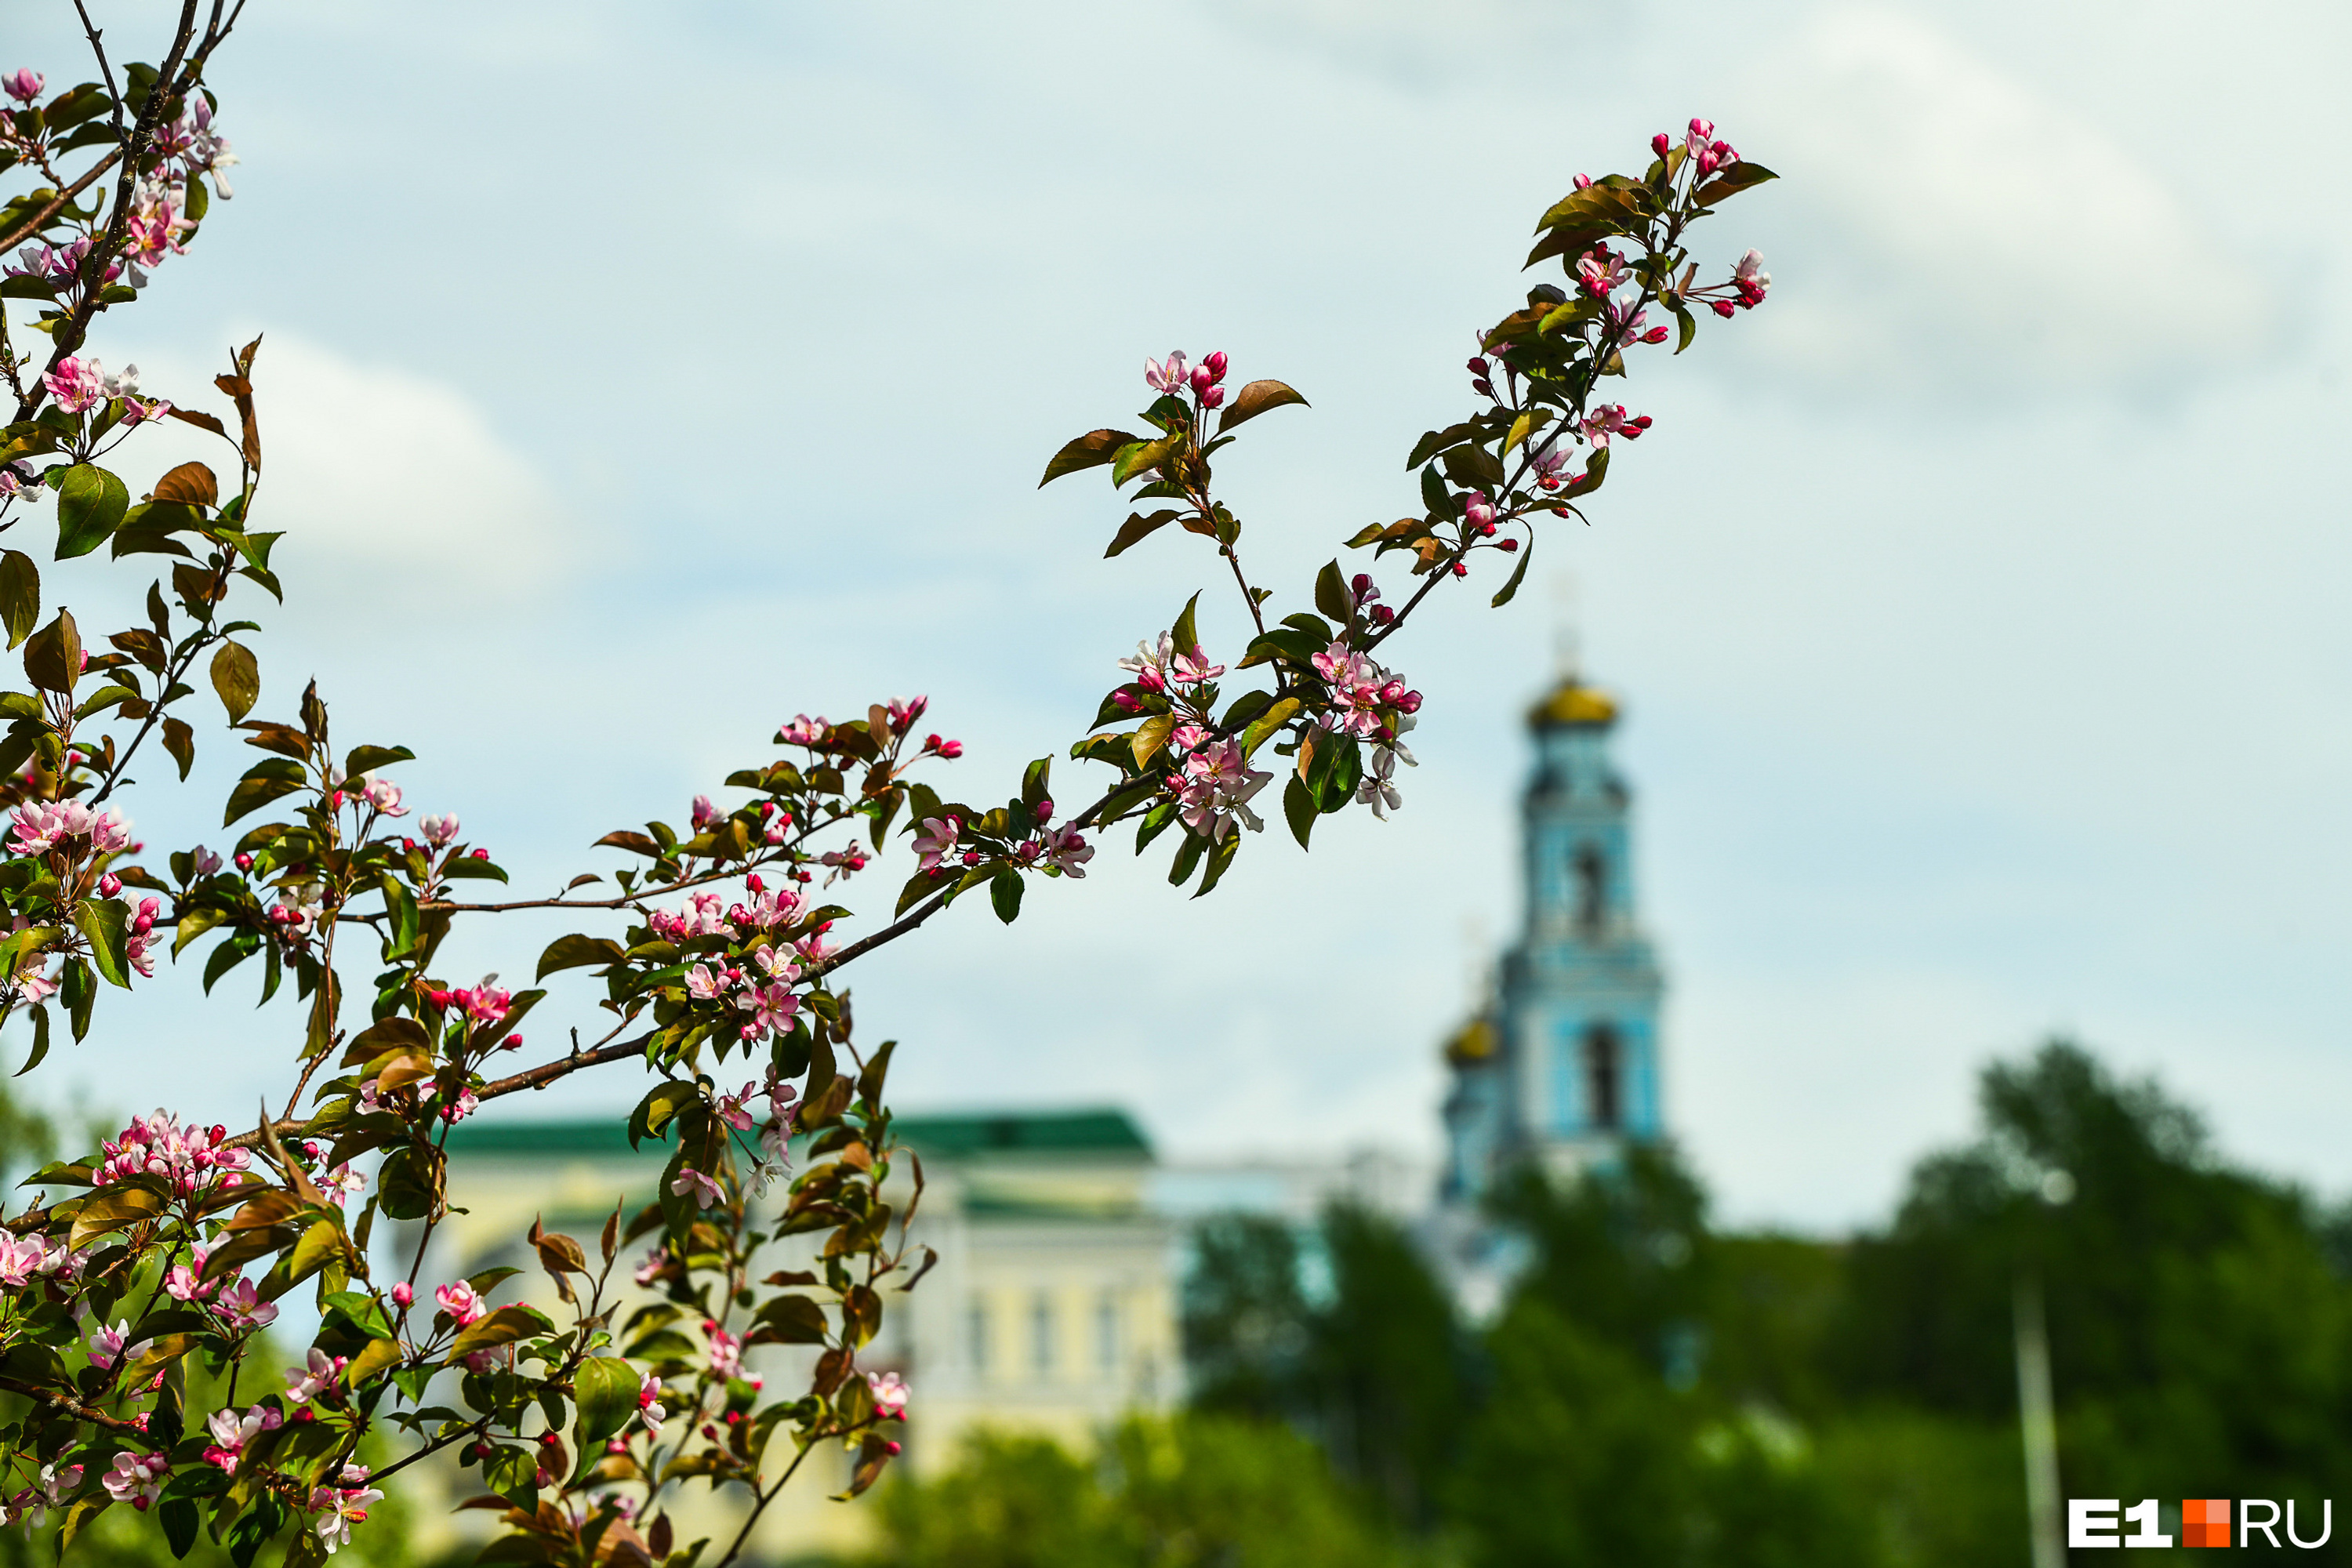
{"type": "Point", "coordinates": [1653, 1390]}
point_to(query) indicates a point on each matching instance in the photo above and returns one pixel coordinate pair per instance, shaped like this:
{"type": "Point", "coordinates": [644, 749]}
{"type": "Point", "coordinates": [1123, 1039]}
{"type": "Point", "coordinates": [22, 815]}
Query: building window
{"type": "Point", "coordinates": [1106, 1332]}
{"type": "Point", "coordinates": [976, 1335]}
{"type": "Point", "coordinates": [1041, 1334]}
{"type": "Point", "coordinates": [1604, 1077]}
{"type": "Point", "coordinates": [1592, 889]}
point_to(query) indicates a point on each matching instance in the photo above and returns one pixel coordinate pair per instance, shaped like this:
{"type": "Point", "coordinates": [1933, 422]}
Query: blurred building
{"type": "Point", "coordinates": [1562, 1067]}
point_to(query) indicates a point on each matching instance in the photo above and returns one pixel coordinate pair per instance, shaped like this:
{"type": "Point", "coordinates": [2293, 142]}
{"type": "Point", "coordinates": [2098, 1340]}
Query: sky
{"type": "Point", "coordinates": [636, 377]}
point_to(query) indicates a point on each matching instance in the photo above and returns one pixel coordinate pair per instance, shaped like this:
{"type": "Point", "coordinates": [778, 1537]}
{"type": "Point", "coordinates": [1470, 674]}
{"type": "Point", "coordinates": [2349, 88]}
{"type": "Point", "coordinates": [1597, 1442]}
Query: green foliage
{"type": "Point", "coordinates": [1195, 1491]}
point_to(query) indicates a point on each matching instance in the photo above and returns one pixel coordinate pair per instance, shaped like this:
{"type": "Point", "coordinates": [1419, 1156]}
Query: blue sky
{"type": "Point", "coordinates": [638, 376]}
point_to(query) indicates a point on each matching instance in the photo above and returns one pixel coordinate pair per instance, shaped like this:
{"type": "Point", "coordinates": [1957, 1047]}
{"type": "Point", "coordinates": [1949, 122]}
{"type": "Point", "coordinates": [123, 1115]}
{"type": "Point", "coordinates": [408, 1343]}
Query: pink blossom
{"type": "Point", "coordinates": [1601, 270]}
{"type": "Point", "coordinates": [306, 1382]}
{"type": "Point", "coordinates": [1478, 512]}
{"type": "Point", "coordinates": [1376, 791]}
{"type": "Point", "coordinates": [438, 830]}
{"type": "Point", "coordinates": [1751, 278]}
{"type": "Point", "coordinates": [1067, 851]}
{"type": "Point", "coordinates": [729, 1109]}
{"type": "Point", "coordinates": [936, 839]}
{"type": "Point", "coordinates": [138, 1479]}
{"type": "Point", "coordinates": [1218, 785]}
{"type": "Point", "coordinates": [801, 730]}
{"type": "Point", "coordinates": [23, 84]}
{"type": "Point", "coordinates": [342, 1184]}
{"type": "Point", "coordinates": [650, 1409]}
{"type": "Point", "coordinates": [232, 1432]}
{"type": "Point", "coordinates": [462, 1302]}
{"type": "Point", "coordinates": [705, 814]}
{"type": "Point", "coordinates": [385, 795]}
{"type": "Point", "coordinates": [904, 711]}
{"type": "Point", "coordinates": [157, 1145]}
{"type": "Point", "coordinates": [241, 1306]}
{"type": "Point", "coordinates": [343, 1507]}
{"type": "Point", "coordinates": [1151, 663]}
{"type": "Point", "coordinates": [1701, 131]}
{"type": "Point", "coordinates": [772, 1007]}
{"type": "Point", "coordinates": [690, 1182]}
{"type": "Point", "coordinates": [702, 985]}
{"type": "Point", "coordinates": [185, 1282]}
{"type": "Point", "coordinates": [651, 1268]}
{"type": "Point", "coordinates": [726, 1349]}
{"type": "Point", "coordinates": [77, 383]}
{"type": "Point", "coordinates": [890, 1395]}
{"type": "Point", "coordinates": [1192, 668]}
{"type": "Point", "coordinates": [1168, 377]}
{"type": "Point", "coordinates": [106, 1346]}
{"type": "Point", "coordinates": [1551, 464]}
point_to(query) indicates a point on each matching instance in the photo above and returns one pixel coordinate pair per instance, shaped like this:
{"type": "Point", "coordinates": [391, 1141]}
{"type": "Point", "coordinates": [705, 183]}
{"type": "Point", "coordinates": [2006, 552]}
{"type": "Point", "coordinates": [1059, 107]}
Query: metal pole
{"type": "Point", "coordinates": [2039, 1419]}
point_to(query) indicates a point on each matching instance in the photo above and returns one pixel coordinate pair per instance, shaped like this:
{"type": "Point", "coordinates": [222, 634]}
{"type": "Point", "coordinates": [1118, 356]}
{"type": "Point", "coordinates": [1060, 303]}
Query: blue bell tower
{"type": "Point", "coordinates": [1562, 1067]}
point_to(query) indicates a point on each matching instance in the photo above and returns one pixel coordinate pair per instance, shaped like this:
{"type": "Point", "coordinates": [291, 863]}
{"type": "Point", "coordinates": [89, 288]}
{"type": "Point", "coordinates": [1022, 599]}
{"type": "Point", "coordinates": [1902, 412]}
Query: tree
{"type": "Point", "coordinates": [712, 942]}
{"type": "Point", "coordinates": [2199, 1335]}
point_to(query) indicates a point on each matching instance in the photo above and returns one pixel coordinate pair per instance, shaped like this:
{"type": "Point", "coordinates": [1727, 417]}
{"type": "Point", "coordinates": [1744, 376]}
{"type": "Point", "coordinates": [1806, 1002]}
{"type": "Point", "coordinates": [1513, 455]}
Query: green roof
{"type": "Point", "coordinates": [1009, 1131]}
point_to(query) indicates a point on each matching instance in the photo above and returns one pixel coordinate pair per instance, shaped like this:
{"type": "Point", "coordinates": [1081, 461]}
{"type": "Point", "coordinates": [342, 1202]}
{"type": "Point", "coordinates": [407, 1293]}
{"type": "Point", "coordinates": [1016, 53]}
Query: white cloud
{"type": "Point", "coordinates": [388, 486]}
{"type": "Point", "coordinates": [1978, 233]}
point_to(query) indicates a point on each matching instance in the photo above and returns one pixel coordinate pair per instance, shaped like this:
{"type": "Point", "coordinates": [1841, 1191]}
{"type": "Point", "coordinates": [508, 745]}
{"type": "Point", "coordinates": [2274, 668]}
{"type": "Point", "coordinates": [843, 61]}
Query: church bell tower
{"type": "Point", "coordinates": [1562, 1067]}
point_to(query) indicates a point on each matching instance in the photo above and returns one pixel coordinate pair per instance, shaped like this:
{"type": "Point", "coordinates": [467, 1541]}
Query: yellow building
{"type": "Point", "coordinates": [1053, 1306]}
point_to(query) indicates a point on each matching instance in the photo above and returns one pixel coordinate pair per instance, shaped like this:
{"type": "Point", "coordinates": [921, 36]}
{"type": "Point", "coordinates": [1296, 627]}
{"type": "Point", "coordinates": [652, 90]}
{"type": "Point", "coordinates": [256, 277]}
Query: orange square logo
{"type": "Point", "coordinates": [2205, 1522]}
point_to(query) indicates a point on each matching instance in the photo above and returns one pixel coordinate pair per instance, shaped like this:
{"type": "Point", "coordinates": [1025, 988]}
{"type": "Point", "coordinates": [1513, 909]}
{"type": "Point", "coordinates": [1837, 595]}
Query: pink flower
{"type": "Point", "coordinates": [772, 1007]}
{"type": "Point", "coordinates": [801, 730]}
{"type": "Point", "coordinates": [77, 383]}
{"type": "Point", "coordinates": [23, 84]}
{"type": "Point", "coordinates": [462, 1302]}
{"type": "Point", "coordinates": [705, 814]}
{"type": "Point", "coordinates": [1701, 133]}
{"type": "Point", "coordinates": [343, 1507]}
{"type": "Point", "coordinates": [186, 1282]}
{"type": "Point", "coordinates": [690, 1182]}
{"type": "Point", "coordinates": [306, 1382]}
{"type": "Point", "coordinates": [1218, 785]}
{"type": "Point", "coordinates": [729, 1109]}
{"type": "Point", "coordinates": [1168, 377]}
{"type": "Point", "coordinates": [241, 1306]}
{"type": "Point", "coordinates": [438, 830]}
{"type": "Point", "coordinates": [1376, 791]}
{"type": "Point", "coordinates": [650, 1409]}
{"type": "Point", "coordinates": [1478, 512]}
{"type": "Point", "coordinates": [936, 839]}
{"type": "Point", "coordinates": [651, 1268]}
{"type": "Point", "coordinates": [904, 711]}
{"type": "Point", "coordinates": [702, 985]}
{"type": "Point", "coordinates": [402, 1295]}
{"type": "Point", "coordinates": [1067, 851]}
{"type": "Point", "coordinates": [726, 1349]}
{"type": "Point", "coordinates": [138, 1479]}
{"type": "Point", "coordinates": [890, 1395]}
{"type": "Point", "coordinates": [1751, 279]}
{"type": "Point", "coordinates": [1600, 270]}
{"type": "Point", "coordinates": [1192, 668]}
{"type": "Point", "coordinates": [385, 795]}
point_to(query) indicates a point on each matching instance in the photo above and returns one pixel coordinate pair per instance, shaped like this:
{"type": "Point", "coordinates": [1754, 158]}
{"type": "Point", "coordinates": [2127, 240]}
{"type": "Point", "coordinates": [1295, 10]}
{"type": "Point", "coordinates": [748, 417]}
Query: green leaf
{"type": "Point", "coordinates": [1188, 856]}
{"type": "Point", "coordinates": [513, 1474]}
{"type": "Point", "coordinates": [1733, 180]}
{"type": "Point", "coordinates": [1254, 400]}
{"type": "Point", "coordinates": [502, 1327]}
{"type": "Point", "coordinates": [1140, 456]}
{"type": "Point", "coordinates": [1004, 891]}
{"type": "Point", "coordinates": [90, 504]}
{"type": "Point", "coordinates": [236, 676]}
{"type": "Point", "coordinates": [575, 951]}
{"type": "Point", "coordinates": [53, 656]}
{"type": "Point", "coordinates": [1331, 593]}
{"type": "Point", "coordinates": [178, 1517]}
{"type": "Point", "coordinates": [605, 1388]}
{"type": "Point", "coordinates": [1090, 450]}
{"type": "Point", "coordinates": [40, 1041]}
{"type": "Point", "coordinates": [1184, 634]}
{"type": "Point", "coordinates": [258, 789]}
{"type": "Point", "coordinates": [1267, 724]}
{"type": "Point", "coordinates": [1139, 527]}
{"type": "Point", "coordinates": [20, 596]}
{"type": "Point", "coordinates": [106, 923]}
{"type": "Point", "coordinates": [1526, 553]}
{"type": "Point", "coordinates": [367, 759]}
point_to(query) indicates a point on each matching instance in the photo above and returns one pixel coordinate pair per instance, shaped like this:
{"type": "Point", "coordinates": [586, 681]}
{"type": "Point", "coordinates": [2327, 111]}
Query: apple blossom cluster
{"type": "Point", "coordinates": [1173, 377]}
{"type": "Point", "coordinates": [187, 1159]}
{"type": "Point", "coordinates": [164, 203]}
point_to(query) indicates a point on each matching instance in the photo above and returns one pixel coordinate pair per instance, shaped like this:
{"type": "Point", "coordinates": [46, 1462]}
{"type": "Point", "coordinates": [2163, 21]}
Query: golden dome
{"type": "Point", "coordinates": [1573, 702]}
{"type": "Point", "coordinates": [1476, 1042]}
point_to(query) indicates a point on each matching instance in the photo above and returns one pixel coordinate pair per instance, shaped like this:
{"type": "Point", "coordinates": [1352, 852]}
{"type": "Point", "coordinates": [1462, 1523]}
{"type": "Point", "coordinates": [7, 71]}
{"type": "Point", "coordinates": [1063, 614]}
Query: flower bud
{"type": "Point", "coordinates": [23, 84]}
{"type": "Point", "coordinates": [1477, 510]}
{"type": "Point", "coordinates": [484, 854]}
{"type": "Point", "coordinates": [1583, 182]}
{"type": "Point", "coordinates": [1660, 143]}
{"type": "Point", "coordinates": [1045, 809]}
{"type": "Point", "coordinates": [1701, 130]}
{"type": "Point", "coordinates": [401, 1295]}
{"type": "Point", "coordinates": [1215, 365]}
{"type": "Point", "coordinates": [109, 885]}
{"type": "Point", "coordinates": [1506, 545]}
{"type": "Point", "coordinates": [1461, 570]}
